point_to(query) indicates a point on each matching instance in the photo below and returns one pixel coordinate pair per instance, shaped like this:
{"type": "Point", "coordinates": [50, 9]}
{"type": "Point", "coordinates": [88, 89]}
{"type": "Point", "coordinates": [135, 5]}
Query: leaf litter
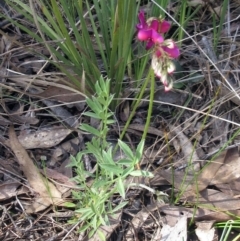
{"type": "Point", "coordinates": [47, 192]}
{"type": "Point", "coordinates": [211, 185]}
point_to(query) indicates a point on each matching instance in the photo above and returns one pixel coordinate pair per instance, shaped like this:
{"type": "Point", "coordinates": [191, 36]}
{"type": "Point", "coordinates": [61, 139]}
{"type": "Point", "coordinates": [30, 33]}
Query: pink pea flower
{"type": "Point", "coordinates": [169, 48]}
{"type": "Point", "coordinates": [160, 65]}
{"type": "Point", "coordinates": [151, 30]}
{"type": "Point", "coordinates": [163, 68]}
{"type": "Point", "coordinates": [164, 26]}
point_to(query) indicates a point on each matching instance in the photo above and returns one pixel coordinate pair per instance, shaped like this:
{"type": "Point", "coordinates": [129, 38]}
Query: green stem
{"type": "Point", "coordinates": [136, 104]}
{"type": "Point", "coordinates": [150, 105]}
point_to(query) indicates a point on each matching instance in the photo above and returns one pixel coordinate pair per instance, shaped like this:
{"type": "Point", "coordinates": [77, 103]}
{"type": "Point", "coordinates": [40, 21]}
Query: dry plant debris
{"type": "Point", "coordinates": [47, 194]}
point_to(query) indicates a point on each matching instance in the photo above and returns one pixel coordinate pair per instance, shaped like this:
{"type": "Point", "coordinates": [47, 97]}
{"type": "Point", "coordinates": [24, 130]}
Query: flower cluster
{"type": "Point", "coordinates": [151, 31]}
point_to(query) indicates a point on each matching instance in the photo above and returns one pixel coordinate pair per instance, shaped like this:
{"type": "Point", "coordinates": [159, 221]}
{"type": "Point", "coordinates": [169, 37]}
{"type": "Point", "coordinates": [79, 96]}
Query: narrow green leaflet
{"type": "Point", "coordinates": [120, 188]}
{"type": "Point", "coordinates": [90, 129]}
{"type": "Point", "coordinates": [107, 156]}
{"type": "Point", "coordinates": [91, 114]}
{"type": "Point", "coordinates": [139, 173]}
{"type": "Point", "coordinates": [94, 104]}
{"type": "Point", "coordinates": [112, 168]}
{"type": "Point", "coordinates": [125, 162]}
{"type": "Point", "coordinates": [127, 171]}
{"type": "Point", "coordinates": [110, 122]}
{"type": "Point", "coordinates": [126, 149]}
{"type": "Point", "coordinates": [101, 235]}
{"type": "Point", "coordinates": [119, 206]}
{"type": "Point", "coordinates": [139, 150]}
{"type": "Point", "coordinates": [69, 205]}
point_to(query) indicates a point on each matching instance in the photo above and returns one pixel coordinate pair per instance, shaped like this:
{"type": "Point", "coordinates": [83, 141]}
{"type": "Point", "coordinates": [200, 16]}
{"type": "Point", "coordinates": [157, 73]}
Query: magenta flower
{"type": "Point", "coordinates": [164, 26]}
{"type": "Point", "coordinates": [151, 30]}
{"type": "Point", "coordinates": [143, 23]}
{"type": "Point", "coordinates": [168, 48]}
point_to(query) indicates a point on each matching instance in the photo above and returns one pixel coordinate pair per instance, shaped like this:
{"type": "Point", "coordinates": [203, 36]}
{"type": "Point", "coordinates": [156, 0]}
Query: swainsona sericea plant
{"type": "Point", "coordinates": [164, 51]}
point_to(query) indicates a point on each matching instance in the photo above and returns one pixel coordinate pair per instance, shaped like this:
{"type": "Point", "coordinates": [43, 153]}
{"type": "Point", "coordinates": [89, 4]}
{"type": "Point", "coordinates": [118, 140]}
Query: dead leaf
{"type": "Point", "coordinates": [172, 213]}
{"type": "Point", "coordinates": [180, 181]}
{"type": "Point", "coordinates": [216, 200]}
{"type": "Point", "coordinates": [61, 94]}
{"type": "Point", "coordinates": [59, 177]}
{"type": "Point", "coordinates": [177, 232]}
{"type": "Point", "coordinates": [228, 94]}
{"type": "Point", "coordinates": [209, 172]}
{"type": "Point", "coordinates": [17, 116]}
{"type": "Point", "coordinates": [151, 130]}
{"type": "Point", "coordinates": [172, 97]}
{"type": "Point", "coordinates": [65, 169]}
{"type": "Point", "coordinates": [230, 170]}
{"type": "Point", "coordinates": [61, 113]}
{"type": "Point", "coordinates": [137, 222]}
{"type": "Point", "coordinates": [48, 194]}
{"type": "Point", "coordinates": [186, 145]}
{"type": "Point", "coordinates": [205, 230]}
{"type": "Point", "coordinates": [124, 111]}
{"type": "Point", "coordinates": [42, 138]}
{"type": "Point", "coordinates": [191, 184]}
{"type": "Point", "coordinates": [8, 190]}
{"type": "Point", "coordinates": [70, 146]}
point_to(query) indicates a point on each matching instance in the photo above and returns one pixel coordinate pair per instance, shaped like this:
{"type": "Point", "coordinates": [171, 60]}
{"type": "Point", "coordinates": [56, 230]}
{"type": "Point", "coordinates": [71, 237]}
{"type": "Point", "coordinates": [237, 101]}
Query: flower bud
{"type": "Point", "coordinates": [170, 67]}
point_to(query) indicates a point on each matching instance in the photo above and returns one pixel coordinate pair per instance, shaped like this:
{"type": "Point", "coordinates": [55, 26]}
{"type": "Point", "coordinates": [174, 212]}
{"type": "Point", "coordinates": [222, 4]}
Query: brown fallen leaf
{"type": "Point", "coordinates": [151, 130]}
{"type": "Point", "coordinates": [224, 169]}
{"type": "Point", "coordinates": [42, 138]}
{"type": "Point", "coordinates": [230, 170]}
{"type": "Point", "coordinates": [180, 181]}
{"type": "Point", "coordinates": [191, 184]}
{"type": "Point", "coordinates": [205, 230]}
{"type": "Point", "coordinates": [48, 194]}
{"type": "Point", "coordinates": [209, 172]}
{"type": "Point", "coordinates": [216, 200]}
{"type": "Point", "coordinates": [59, 177]}
{"type": "Point", "coordinates": [177, 232]}
{"type": "Point", "coordinates": [186, 145]}
{"type": "Point", "coordinates": [137, 222]}
{"type": "Point", "coordinates": [62, 113]}
{"type": "Point", "coordinates": [172, 214]}
{"type": "Point", "coordinates": [70, 146]}
{"type": "Point", "coordinates": [61, 94]}
{"type": "Point", "coordinates": [8, 190]}
{"type": "Point", "coordinates": [62, 182]}
{"type": "Point", "coordinates": [124, 111]}
{"type": "Point", "coordinates": [17, 116]}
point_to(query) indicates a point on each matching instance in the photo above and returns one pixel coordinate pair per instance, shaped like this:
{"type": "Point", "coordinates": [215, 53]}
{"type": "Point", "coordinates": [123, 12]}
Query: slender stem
{"type": "Point", "coordinates": [136, 105]}
{"type": "Point", "coordinates": [150, 105]}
